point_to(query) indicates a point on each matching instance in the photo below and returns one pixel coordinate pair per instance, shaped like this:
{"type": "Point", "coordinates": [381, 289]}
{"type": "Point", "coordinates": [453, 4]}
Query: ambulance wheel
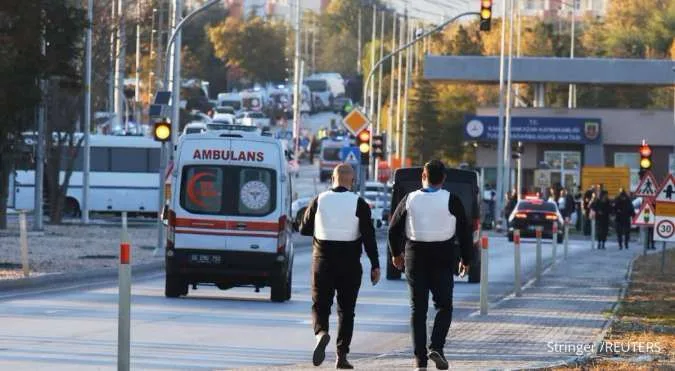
{"type": "Point", "coordinates": [175, 286]}
{"type": "Point", "coordinates": [289, 286]}
{"type": "Point", "coordinates": [280, 289]}
{"type": "Point", "coordinates": [392, 272]}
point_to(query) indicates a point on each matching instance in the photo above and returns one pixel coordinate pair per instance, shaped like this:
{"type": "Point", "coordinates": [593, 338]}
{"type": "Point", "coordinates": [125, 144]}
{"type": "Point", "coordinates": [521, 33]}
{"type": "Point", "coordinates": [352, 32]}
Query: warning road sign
{"type": "Point", "coordinates": [664, 229]}
{"type": "Point", "coordinates": [646, 215]}
{"type": "Point", "coordinates": [647, 187]}
{"type": "Point", "coordinates": [666, 192]}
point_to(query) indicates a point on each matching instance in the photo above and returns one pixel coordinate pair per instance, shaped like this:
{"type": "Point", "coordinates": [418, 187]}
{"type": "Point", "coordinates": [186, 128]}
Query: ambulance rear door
{"type": "Point", "coordinates": [229, 195]}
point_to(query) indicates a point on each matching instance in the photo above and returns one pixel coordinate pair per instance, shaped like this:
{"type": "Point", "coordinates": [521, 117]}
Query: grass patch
{"type": "Point", "coordinates": [645, 316]}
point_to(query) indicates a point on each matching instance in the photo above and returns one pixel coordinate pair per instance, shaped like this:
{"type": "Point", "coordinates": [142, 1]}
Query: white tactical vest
{"type": "Point", "coordinates": [335, 218]}
{"type": "Point", "coordinates": [428, 218]}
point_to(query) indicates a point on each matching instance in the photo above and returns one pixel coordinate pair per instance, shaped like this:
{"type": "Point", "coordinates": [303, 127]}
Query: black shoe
{"type": "Point", "coordinates": [322, 340]}
{"type": "Point", "coordinates": [439, 359]}
{"type": "Point", "coordinates": [420, 365]}
{"type": "Point", "coordinates": [342, 364]}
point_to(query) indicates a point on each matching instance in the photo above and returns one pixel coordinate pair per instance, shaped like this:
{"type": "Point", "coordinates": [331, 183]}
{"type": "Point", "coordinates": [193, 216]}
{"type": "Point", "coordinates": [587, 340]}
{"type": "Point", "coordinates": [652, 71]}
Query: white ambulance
{"type": "Point", "coordinates": [228, 217]}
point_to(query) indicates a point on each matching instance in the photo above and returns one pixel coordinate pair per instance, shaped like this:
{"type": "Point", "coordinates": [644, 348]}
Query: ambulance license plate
{"type": "Point", "coordinates": [204, 259]}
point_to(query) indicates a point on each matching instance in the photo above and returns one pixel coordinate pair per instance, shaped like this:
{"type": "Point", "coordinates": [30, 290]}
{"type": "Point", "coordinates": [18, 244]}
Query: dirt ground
{"type": "Point", "coordinates": [643, 336]}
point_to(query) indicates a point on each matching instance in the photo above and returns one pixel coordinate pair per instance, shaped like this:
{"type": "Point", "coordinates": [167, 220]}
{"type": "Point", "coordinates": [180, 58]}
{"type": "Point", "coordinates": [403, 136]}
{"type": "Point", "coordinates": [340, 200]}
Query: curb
{"type": "Point", "coordinates": [83, 277]}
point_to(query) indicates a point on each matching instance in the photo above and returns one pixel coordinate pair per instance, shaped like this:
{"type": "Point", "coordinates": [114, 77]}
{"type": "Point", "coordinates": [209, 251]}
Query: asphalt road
{"type": "Point", "coordinates": [76, 328]}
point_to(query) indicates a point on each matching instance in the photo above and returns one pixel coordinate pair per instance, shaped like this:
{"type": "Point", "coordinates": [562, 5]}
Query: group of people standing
{"type": "Point", "coordinates": [598, 208]}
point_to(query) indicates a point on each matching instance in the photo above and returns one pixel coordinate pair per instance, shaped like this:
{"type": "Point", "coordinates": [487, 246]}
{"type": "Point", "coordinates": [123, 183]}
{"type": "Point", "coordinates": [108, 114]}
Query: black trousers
{"type": "Point", "coordinates": [429, 270]}
{"type": "Point", "coordinates": [623, 232]}
{"type": "Point", "coordinates": [331, 275]}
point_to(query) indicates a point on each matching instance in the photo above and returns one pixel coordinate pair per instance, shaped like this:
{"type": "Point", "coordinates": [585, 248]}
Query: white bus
{"type": "Point", "coordinates": [123, 177]}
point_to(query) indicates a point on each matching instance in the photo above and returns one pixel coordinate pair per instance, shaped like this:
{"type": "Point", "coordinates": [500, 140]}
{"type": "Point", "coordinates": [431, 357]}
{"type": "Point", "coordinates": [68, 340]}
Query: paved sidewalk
{"type": "Point", "coordinates": [569, 308]}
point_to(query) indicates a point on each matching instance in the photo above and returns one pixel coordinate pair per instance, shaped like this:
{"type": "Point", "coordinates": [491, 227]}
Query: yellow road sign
{"type": "Point", "coordinates": [355, 121]}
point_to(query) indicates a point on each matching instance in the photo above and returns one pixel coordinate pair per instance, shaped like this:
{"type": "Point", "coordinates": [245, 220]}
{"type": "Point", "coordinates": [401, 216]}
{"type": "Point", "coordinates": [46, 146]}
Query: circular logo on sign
{"type": "Point", "coordinates": [475, 128]}
{"type": "Point", "coordinates": [665, 229]}
{"type": "Point", "coordinates": [255, 195]}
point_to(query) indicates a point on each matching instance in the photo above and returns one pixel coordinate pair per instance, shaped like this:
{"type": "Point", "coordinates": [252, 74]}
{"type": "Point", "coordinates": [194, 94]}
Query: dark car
{"type": "Point", "coordinates": [464, 184]}
{"type": "Point", "coordinates": [339, 104]}
{"type": "Point", "coordinates": [531, 213]}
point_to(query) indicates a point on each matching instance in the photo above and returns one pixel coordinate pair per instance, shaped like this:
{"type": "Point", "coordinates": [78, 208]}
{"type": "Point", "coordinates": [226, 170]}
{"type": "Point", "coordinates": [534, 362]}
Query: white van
{"type": "Point", "coordinates": [233, 100]}
{"type": "Point", "coordinates": [335, 81]}
{"type": "Point", "coordinates": [322, 96]}
{"type": "Point", "coordinates": [228, 217]}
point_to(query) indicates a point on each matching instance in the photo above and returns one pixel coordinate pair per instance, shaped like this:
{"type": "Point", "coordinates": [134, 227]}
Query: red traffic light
{"type": "Point", "coordinates": [364, 136]}
{"type": "Point", "coordinates": [645, 151]}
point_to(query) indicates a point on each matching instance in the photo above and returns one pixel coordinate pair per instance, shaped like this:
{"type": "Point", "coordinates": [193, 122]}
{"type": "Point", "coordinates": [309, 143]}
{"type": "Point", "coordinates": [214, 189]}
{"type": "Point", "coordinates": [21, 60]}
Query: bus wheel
{"type": "Point", "coordinates": [174, 286]}
{"type": "Point", "coordinates": [71, 208]}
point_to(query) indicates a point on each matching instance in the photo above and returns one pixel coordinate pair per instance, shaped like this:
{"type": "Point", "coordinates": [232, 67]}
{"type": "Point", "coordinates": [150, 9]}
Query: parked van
{"type": "Point", "coordinates": [228, 218]}
{"type": "Point", "coordinates": [322, 96]}
{"type": "Point", "coordinates": [231, 100]}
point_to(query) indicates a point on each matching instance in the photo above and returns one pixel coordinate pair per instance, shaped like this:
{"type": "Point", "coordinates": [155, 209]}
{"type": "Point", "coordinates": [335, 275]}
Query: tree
{"type": "Point", "coordinates": [424, 134]}
{"type": "Point", "coordinates": [256, 46]}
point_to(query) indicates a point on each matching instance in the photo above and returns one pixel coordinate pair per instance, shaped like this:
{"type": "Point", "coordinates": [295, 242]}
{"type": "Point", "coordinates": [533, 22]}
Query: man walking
{"type": "Point", "coordinates": [340, 223]}
{"type": "Point", "coordinates": [623, 213]}
{"type": "Point", "coordinates": [427, 225]}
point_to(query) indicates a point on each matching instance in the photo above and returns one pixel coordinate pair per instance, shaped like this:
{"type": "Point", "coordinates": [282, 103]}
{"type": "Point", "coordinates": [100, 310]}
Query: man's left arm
{"type": "Point", "coordinates": [367, 232]}
{"type": "Point", "coordinates": [462, 229]}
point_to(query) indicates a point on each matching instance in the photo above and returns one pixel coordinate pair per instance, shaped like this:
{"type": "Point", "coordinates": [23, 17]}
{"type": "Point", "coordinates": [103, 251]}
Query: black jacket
{"type": "Point", "coordinates": [398, 240]}
{"type": "Point", "coordinates": [342, 249]}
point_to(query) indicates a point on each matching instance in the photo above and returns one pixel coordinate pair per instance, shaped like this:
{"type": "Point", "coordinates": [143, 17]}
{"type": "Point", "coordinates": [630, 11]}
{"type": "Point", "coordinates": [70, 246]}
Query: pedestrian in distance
{"type": "Point", "coordinates": [340, 222]}
{"type": "Point", "coordinates": [602, 208]}
{"type": "Point", "coordinates": [424, 231]}
{"type": "Point", "coordinates": [623, 214]}
{"type": "Point", "coordinates": [589, 197]}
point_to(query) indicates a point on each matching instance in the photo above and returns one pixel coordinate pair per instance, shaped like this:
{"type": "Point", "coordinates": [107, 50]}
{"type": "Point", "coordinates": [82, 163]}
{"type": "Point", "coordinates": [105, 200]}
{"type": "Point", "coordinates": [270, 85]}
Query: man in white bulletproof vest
{"type": "Point", "coordinates": [340, 223]}
{"type": "Point", "coordinates": [423, 232]}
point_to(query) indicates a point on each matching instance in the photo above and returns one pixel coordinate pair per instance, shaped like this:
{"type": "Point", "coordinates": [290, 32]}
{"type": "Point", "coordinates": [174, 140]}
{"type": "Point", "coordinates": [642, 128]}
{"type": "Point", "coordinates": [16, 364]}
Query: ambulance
{"type": "Point", "coordinates": [228, 217]}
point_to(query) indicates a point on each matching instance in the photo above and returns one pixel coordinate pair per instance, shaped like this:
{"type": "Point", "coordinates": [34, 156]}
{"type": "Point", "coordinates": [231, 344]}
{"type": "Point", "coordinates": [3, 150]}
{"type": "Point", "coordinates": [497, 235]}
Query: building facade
{"type": "Point", "coordinates": [565, 141]}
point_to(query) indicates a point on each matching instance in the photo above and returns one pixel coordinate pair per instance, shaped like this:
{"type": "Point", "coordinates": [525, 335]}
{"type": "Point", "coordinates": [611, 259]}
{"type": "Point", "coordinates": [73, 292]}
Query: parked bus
{"type": "Point", "coordinates": [123, 177]}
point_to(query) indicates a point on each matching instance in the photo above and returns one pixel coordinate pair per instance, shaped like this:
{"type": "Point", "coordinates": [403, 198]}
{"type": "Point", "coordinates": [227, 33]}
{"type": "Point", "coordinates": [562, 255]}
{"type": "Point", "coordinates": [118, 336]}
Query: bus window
{"type": "Point", "coordinates": [129, 160]}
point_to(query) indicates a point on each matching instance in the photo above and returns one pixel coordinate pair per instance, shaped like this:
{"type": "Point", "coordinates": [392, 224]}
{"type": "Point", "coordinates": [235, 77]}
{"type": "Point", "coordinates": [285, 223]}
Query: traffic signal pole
{"type": "Point", "coordinates": [405, 47]}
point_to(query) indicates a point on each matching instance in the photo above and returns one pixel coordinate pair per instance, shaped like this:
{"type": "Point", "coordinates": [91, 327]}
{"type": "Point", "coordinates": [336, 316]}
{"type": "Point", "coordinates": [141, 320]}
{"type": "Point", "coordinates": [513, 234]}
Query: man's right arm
{"type": "Point", "coordinates": [307, 222]}
{"type": "Point", "coordinates": [397, 228]}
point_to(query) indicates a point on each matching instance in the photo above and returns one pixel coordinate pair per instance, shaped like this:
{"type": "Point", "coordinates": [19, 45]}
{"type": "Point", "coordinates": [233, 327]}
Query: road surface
{"type": "Point", "coordinates": [76, 329]}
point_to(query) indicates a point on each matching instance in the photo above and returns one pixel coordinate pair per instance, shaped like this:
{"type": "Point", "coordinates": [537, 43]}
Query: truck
{"type": "Point", "coordinates": [463, 183]}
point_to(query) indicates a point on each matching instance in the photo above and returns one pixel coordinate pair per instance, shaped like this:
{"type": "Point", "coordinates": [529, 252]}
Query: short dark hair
{"type": "Point", "coordinates": [435, 171]}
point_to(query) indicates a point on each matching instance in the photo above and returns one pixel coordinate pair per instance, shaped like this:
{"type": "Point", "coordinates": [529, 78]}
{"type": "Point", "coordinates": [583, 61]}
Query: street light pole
{"type": "Point", "coordinates": [509, 103]}
{"type": "Point", "coordinates": [390, 120]}
{"type": "Point", "coordinates": [408, 67]}
{"type": "Point", "coordinates": [87, 115]}
{"type": "Point", "coordinates": [358, 43]}
{"type": "Point", "coordinates": [572, 99]}
{"type": "Point", "coordinates": [500, 133]}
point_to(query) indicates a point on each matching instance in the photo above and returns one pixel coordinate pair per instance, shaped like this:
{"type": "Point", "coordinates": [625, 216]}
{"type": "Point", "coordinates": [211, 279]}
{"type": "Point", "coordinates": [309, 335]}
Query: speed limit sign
{"type": "Point", "coordinates": [664, 229]}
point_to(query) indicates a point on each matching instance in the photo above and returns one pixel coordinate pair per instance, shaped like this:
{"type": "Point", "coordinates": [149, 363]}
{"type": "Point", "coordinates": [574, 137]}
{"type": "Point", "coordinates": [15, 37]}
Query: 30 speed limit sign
{"type": "Point", "coordinates": [664, 229]}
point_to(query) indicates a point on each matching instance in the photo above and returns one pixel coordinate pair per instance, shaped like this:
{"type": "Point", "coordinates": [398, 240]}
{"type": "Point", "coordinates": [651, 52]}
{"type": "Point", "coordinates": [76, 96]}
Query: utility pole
{"type": "Point", "coordinates": [153, 32]}
{"type": "Point", "coordinates": [120, 62]}
{"type": "Point", "coordinates": [572, 99]}
{"type": "Point", "coordinates": [500, 136]}
{"type": "Point", "coordinates": [175, 96]}
{"type": "Point", "coordinates": [40, 155]}
{"type": "Point", "coordinates": [315, 30]}
{"type": "Point", "coordinates": [408, 71]}
{"type": "Point", "coordinates": [113, 52]}
{"type": "Point", "coordinates": [390, 121]}
{"type": "Point", "coordinates": [159, 59]}
{"type": "Point", "coordinates": [380, 71]}
{"type": "Point", "coordinates": [297, 76]}
{"type": "Point", "coordinates": [358, 43]}
{"type": "Point", "coordinates": [401, 40]}
{"type": "Point", "coordinates": [87, 115]}
{"type": "Point", "coordinates": [509, 103]}
{"type": "Point", "coordinates": [137, 90]}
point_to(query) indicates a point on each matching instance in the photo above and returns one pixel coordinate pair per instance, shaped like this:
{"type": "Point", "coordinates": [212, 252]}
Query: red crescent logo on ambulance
{"type": "Point", "coordinates": [192, 192]}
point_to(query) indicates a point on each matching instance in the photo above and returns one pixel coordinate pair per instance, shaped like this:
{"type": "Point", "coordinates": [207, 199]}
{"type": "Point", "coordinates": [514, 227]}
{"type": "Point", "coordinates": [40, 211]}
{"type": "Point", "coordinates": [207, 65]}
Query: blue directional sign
{"type": "Point", "coordinates": [350, 155]}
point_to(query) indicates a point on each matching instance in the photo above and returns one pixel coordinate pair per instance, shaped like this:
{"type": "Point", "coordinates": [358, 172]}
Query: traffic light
{"type": "Point", "coordinates": [363, 142]}
{"type": "Point", "coordinates": [645, 158]}
{"type": "Point", "coordinates": [162, 131]}
{"type": "Point", "coordinates": [485, 14]}
{"type": "Point", "coordinates": [378, 146]}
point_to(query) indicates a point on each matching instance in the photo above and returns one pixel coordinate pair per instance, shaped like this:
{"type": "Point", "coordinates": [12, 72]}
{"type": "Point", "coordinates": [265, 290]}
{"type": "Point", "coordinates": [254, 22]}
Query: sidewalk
{"type": "Point", "coordinates": [568, 309]}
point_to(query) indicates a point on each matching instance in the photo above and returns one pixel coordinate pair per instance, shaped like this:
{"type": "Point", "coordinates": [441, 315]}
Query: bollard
{"type": "Point", "coordinates": [124, 303]}
{"type": "Point", "coordinates": [663, 257]}
{"type": "Point", "coordinates": [554, 233]}
{"type": "Point", "coordinates": [644, 240]}
{"type": "Point", "coordinates": [538, 266]}
{"type": "Point", "coordinates": [484, 275]}
{"type": "Point", "coordinates": [566, 239]}
{"type": "Point", "coordinates": [516, 262]}
{"type": "Point", "coordinates": [592, 233]}
{"type": "Point", "coordinates": [23, 241]}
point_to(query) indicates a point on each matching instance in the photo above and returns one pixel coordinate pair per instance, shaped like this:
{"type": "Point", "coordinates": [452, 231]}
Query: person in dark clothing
{"type": "Point", "coordinates": [602, 207]}
{"type": "Point", "coordinates": [568, 210]}
{"type": "Point", "coordinates": [423, 233]}
{"type": "Point", "coordinates": [340, 222]}
{"type": "Point", "coordinates": [623, 213]}
{"type": "Point", "coordinates": [589, 197]}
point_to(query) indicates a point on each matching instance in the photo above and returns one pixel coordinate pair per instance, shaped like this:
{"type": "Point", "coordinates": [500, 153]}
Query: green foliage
{"type": "Point", "coordinates": [424, 130]}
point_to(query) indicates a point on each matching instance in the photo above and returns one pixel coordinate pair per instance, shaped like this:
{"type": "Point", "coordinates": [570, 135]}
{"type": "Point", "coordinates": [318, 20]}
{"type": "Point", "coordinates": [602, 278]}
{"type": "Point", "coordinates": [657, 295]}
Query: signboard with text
{"type": "Point", "coordinates": [535, 129]}
{"type": "Point", "coordinates": [611, 178]}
